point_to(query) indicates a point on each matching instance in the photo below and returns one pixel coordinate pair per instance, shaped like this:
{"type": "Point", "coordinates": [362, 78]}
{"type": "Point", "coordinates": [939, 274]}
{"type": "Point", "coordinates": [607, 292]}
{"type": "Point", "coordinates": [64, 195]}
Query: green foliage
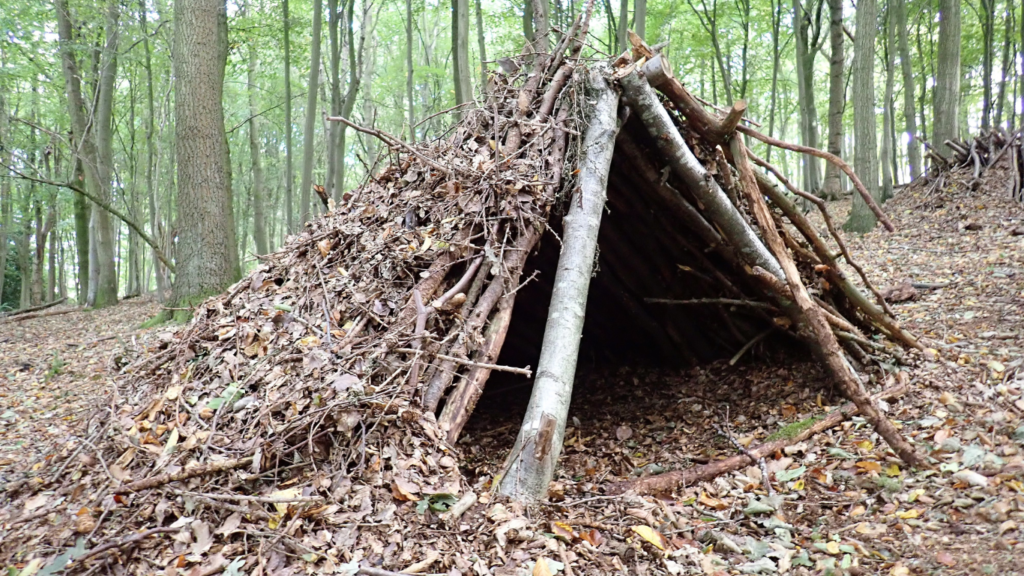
{"type": "Point", "coordinates": [56, 366]}
{"type": "Point", "coordinates": [791, 430]}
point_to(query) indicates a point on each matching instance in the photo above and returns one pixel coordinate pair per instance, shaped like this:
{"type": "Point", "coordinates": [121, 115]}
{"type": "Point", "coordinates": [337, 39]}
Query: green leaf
{"type": "Point", "coordinates": [787, 475]}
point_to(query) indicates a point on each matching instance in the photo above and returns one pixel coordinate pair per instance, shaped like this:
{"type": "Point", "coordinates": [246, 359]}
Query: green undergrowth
{"type": "Point", "coordinates": [177, 317]}
{"type": "Point", "coordinates": [791, 430]}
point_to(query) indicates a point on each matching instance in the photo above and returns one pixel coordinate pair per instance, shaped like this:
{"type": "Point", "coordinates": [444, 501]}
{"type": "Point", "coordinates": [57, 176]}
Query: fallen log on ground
{"type": "Point", "coordinates": [38, 315]}
{"type": "Point", "coordinates": [669, 481]}
{"type": "Point", "coordinates": [33, 308]}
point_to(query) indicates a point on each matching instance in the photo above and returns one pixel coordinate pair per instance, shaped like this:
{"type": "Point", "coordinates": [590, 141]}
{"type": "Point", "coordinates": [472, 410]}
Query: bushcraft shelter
{"type": "Point", "coordinates": [335, 379]}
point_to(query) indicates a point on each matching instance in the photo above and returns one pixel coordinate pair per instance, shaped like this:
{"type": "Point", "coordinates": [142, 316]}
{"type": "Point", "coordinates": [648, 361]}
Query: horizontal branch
{"type": "Point", "coordinates": [106, 206]}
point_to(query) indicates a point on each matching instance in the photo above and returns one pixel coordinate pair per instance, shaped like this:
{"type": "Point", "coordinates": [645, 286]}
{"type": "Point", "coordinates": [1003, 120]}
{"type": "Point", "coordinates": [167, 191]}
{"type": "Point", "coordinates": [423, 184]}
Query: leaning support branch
{"type": "Point", "coordinates": [818, 335]}
{"type": "Point", "coordinates": [531, 463]}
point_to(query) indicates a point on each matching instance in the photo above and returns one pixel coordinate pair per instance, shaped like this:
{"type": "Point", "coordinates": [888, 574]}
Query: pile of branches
{"type": "Point", "coordinates": [304, 400]}
{"type": "Point", "coordinates": [979, 154]}
{"type": "Point", "coordinates": [305, 393]}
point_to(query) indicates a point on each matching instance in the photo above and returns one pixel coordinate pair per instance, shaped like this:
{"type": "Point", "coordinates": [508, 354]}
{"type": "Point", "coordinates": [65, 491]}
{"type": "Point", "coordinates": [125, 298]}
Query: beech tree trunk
{"type": "Point", "coordinates": [888, 143]}
{"type": "Point", "coordinates": [805, 52]}
{"type": "Point", "coordinates": [946, 105]}
{"type": "Point", "coordinates": [289, 175]}
{"type": "Point", "coordinates": [409, 71]}
{"type": "Point", "coordinates": [259, 223]}
{"type": "Point", "coordinates": [5, 191]}
{"type": "Point", "coordinates": [460, 52]}
{"type": "Point", "coordinates": [988, 17]}
{"type": "Point", "coordinates": [832, 186]}
{"type": "Point", "coordinates": [207, 246]}
{"type": "Point", "coordinates": [640, 18]}
{"type": "Point", "coordinates": [309, 133]}
{"type": "Point", "coordinates": [899, 12]}
{"type": "Point", "coordinates": [865, 155]}
{"type": "Point", "coordinates": [531, 464]}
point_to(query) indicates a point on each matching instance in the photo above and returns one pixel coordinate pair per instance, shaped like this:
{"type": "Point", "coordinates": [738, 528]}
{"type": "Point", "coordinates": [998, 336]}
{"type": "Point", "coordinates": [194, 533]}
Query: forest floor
{"type": "Point", "coordinates": [841, 499]}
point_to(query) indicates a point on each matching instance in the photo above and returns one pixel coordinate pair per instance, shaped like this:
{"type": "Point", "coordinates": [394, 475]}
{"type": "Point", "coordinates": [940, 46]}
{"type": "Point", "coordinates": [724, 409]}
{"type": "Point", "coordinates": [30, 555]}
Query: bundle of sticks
{"type": "Point", "coordinates": [982, 152]}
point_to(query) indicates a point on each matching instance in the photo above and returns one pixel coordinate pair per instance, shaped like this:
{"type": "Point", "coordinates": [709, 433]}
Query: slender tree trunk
{"type": "Point", "coordinates": [542, 24]}
{"type": "Point", "coordinates": [832, 186]}
{"type": "Point", "coordinates": [460, 52]}
{"type": "Point", "coordinates": [207, 246]}
{"type": "Point", "coordinates": [865, 156]}
{"type": "Point", "coordinates": [773, 97]}
{"type": "Point", "coordinates": [640, 18]}
{"type": "Point", "coordinates": [409, 71]}
{"type": "Point", "coordinates": [103, 269]}
{"type": "Point", "coordinates": [334, 82]}
{"type": "Point", "coordinates": [356, 71]}
{"type": "Point", "coordinates": [309, 134]}
{"type": "Point", "coordinates": [946, 111]}
{"type": "Point", "coordinates": [621, 41]}
{"type": "Point", "coordinates": [528, 20]}
{"type": "Point", "coordinates": [154, 214]}
{"type": "Point", "coordinates": [5, 191]}
{"type": "Point", "coordinates": [805, 93]}
{"type": "Point", "coordinates": [81, 215]}
{"type": "Point", "coordinates": [259, 224]}
{"type": "Point", "coordinates": [899, 12]}
{"type": "Point", "coordinates": [289, 174]}
{"type": "Point", "coordinates": [1006, 65]}
{"type": "Point", "coordinates": [888, 145]}
{"type": "Point", "coordinates": [481, 44]}
{"type": "Point", "coordinates": [988, 15]}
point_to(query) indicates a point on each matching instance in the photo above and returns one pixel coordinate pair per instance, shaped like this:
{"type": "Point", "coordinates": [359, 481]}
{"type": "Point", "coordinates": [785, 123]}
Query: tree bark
{"type": "Point", "coordinates": [409, 71]}
{"type": "Point", "coordinates": [640, 18]}
{"type": "Point", "coordinates": [685, 165]}
{"type": "Point", "coordinates": [1006, 67]}
{"type": "Point", "coordinates": [259, 224]}
{"type": "Point", "coordinates": [899, 8]}
{"type": "Point", "coordinates": [542, 25]}
{"type": "Point", "coordinates": [531, 464]}
{"type": "Point", "coordinates": [334, 83]}
{"type": "Point", "coordinates": [481, 44]}
{"type": "Point", "coordinates": [945, 115]}
{"type": "Point", "coordinates": [289, 175]}
{"type": "Point", "coordinates": [773, 97]}
{"type": "Point", "coordinates": [309, 133]}
{"type": "Point", "coordinates": [832, 186]}
{"type": "Point", "coordinates": [5, 192]}
{"type": "Point", "coordinates": [805, 53]}
{"type": "Point", "coordinates": [888, 108]}
{"type": "Point", "coordinates": [988, 33]}
{"type": "Point", "coordinates": [865, 155]}
{"type": "Point", "coordinates": [460, 52]}
{"type": "Point", "coordinates": [154, 216]}
{"type": "Point", "coordinates": [621, 42]}
{"type": "Point", "coordinates": [207, 246]}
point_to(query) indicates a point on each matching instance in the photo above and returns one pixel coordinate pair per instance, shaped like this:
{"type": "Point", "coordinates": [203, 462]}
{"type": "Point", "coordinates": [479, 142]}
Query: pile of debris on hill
{"type": "Point", "coordinates": [968, 161]}
{"type": "Point", "coordinates": [305, 420]}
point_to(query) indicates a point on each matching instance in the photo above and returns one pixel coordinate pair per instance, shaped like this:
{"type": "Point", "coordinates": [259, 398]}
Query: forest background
{"type": "Point", "coordinates": [110, 215]}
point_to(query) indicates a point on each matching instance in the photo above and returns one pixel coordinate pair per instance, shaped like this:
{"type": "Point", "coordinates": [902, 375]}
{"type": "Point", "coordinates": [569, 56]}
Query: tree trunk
{"type": "Point", "coordinates": [356, 71]}
{"type": "Point", "coordinates": [309, 134]}
{"type": "Point", "coordinates": [460, 52]}
{"type": "Point", "coordinates": [289, 175]}
{"type": "Point", "coordinates": [334, 82]}
{"type": "Point", "coordinates": [542, 25]}
{"type": "Point", "coordinates": [805, 94]}
{"type": "Point", "coordinates": [899, 12]}
{"type": "Point", "coordinates": [409, 71]}
{"type": "Point", "coordinates": [531, 464]}
{"type": "Point", "coordinates": [946, 110]}
{"type": "Point", "coordinates": [481, 44]}
{"type": "Point", "coordinates": [621, 42]}
{"type": "Point", "coordinates": [259, 224]}
{"type": "Point", "coordinates": [888, 144]}
{"type": "Point", "coordinates": [832, 186]}
{"type": "Point", "coordinates": [154, 214]}
{"type": "Point", "coordinates": [640, 18]}
{"type": "Point", "coordinates": [207, 247]}
{"type": "Point", "coordinates": [5, 192]}
{"type": "Point", "coordinates": [865, 155]}
{"type": "Point", "coordinates": [773, 97]}
{"type": "Point", "coordinates": [1006, 66]}
{"type": "Point", "coordinates": [81, 214]}
{"type": "Point", "coordinates": [103, 269]}
{"type": "Point", "coordinates": [528, 20]}
{"type": "Point", "coordinates": [988, 16]}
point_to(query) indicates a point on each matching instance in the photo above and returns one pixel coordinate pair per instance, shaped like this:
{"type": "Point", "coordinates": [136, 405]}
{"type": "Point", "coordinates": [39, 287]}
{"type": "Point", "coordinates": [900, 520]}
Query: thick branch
{"type": "Point", "coordinates": [106, 206]}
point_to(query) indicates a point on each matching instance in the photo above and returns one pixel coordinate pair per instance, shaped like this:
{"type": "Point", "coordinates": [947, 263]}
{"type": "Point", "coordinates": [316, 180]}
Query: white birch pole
{"type": "Point", "coordinates": [531, 465]}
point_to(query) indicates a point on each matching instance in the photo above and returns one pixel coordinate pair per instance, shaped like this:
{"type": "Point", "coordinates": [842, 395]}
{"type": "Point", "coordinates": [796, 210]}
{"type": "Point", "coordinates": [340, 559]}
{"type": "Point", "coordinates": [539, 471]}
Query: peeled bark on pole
{"type": "Point", "coordinates": [689, 169]}
{"type": "Point", "coordinates": [531, 463]}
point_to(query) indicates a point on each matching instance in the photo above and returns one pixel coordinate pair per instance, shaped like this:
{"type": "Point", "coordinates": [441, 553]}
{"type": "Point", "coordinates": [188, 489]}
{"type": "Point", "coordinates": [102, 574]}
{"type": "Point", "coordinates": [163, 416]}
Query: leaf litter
{"type": "Point", "coordinates": [379, 490]}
